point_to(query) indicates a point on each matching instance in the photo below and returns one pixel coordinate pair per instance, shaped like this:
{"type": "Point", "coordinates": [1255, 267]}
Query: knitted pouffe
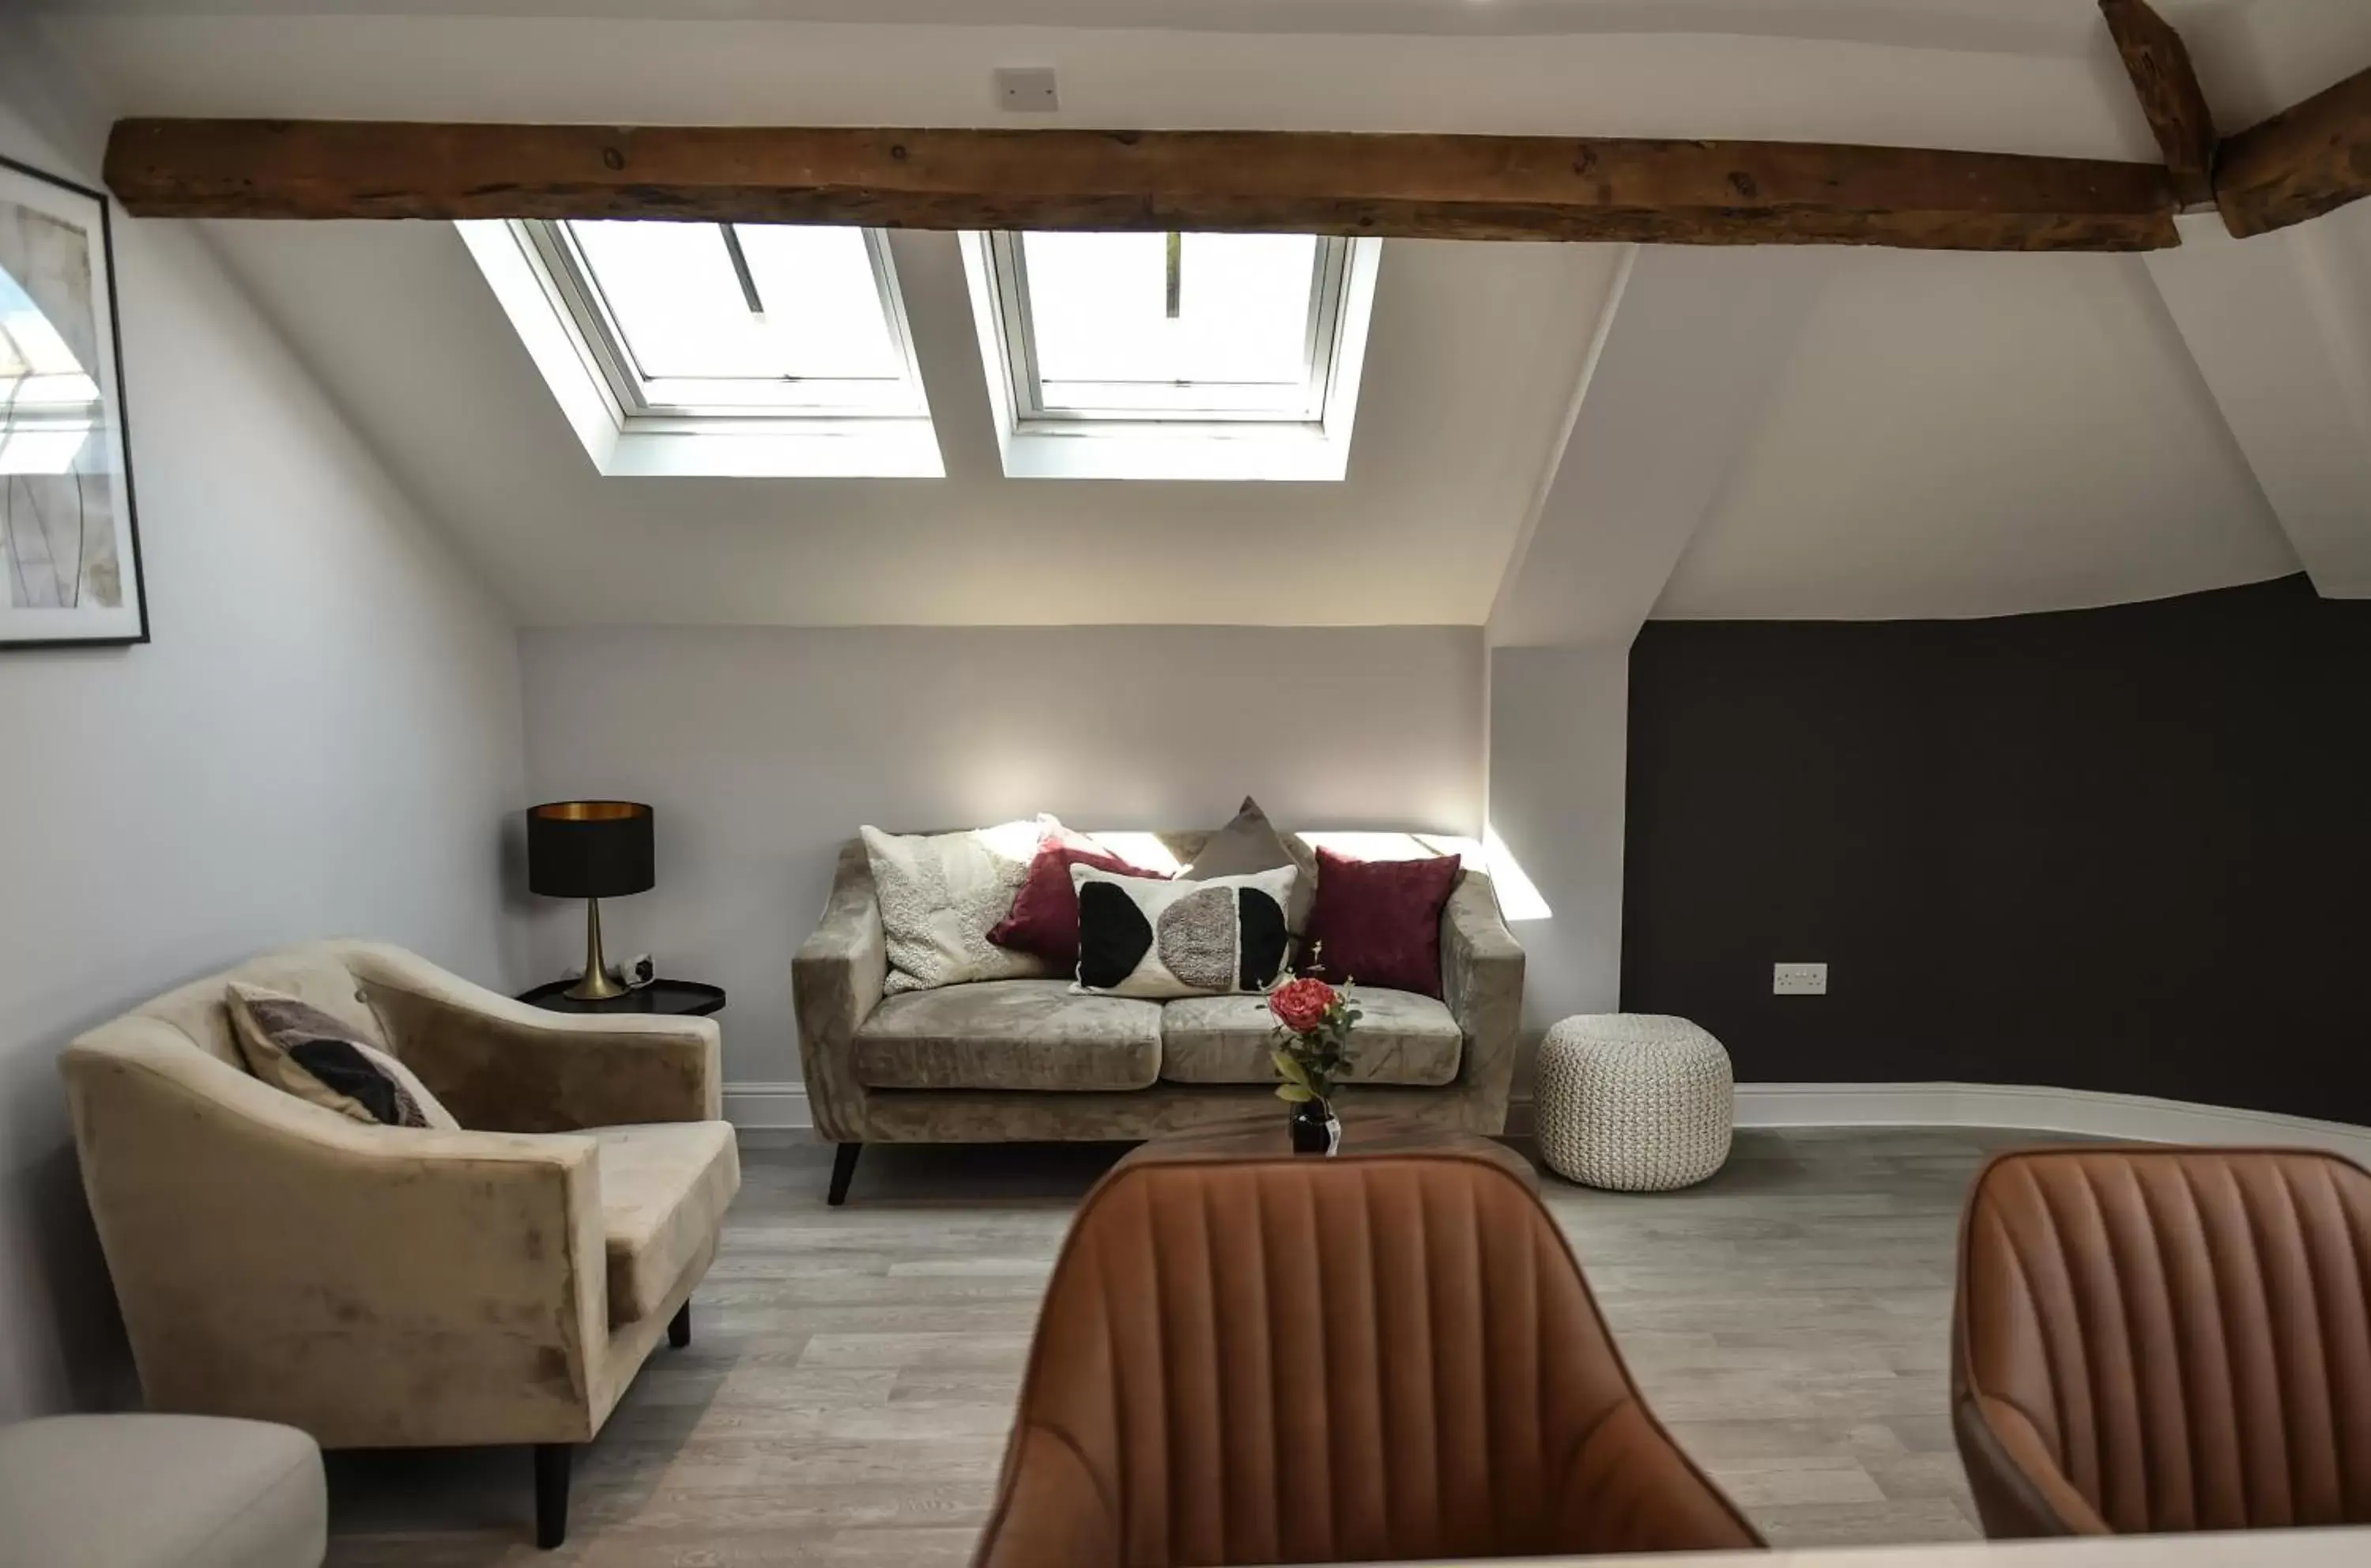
{"type": "Point", "coordinates": [1639, 1103]}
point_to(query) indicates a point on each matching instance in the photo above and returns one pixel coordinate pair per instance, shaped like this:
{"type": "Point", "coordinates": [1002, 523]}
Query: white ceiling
{"type": "Point", "coordinates": [1969, 435]}
{"type": "Point", "coordinates": [640, 71]}
{"type": "Point", "coordinates": [2022, 27]}
{"type": "Point", "coordinates": [1925, 434]}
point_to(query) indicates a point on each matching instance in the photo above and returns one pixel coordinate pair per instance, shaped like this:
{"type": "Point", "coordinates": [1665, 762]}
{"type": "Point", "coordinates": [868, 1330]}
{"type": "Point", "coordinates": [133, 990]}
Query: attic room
{"type": "Point", "coordinates": [1092, 781]}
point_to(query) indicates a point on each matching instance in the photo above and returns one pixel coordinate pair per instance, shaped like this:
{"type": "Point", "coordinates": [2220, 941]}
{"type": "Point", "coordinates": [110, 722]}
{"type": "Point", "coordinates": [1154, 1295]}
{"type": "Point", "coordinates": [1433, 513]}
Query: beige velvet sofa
{"type": "Point", "coordinates": [391, 1287]}
{"type": "Point", "coordinates": [1018, 1060]}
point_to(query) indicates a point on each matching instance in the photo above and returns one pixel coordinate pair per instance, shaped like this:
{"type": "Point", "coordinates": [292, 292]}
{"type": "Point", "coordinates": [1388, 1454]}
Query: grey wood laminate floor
{"type": "Point", "coordinates": [851, 1373]}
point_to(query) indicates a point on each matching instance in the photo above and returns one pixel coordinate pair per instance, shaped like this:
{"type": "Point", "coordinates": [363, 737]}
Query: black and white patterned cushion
{"type": "Point", "coordinates": [1139, 937]}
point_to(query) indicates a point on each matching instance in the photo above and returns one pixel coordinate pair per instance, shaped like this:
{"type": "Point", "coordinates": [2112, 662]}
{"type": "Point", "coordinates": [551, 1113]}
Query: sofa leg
{"type": "Point", "coordinates": [843, 1167]}
{"type": "Point", "coordinates": [552, 1461]}
{"type": "Point", "coordinates": [680, 1327]}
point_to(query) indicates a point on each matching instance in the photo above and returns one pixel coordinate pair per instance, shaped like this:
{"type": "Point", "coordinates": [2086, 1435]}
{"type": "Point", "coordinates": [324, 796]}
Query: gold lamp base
{"type": "Point", "coordinates": [596, 985]}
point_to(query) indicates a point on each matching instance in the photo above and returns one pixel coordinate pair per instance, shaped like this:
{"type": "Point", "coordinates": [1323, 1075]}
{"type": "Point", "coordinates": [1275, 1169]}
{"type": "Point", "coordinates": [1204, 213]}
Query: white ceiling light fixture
{"type": "Point", "coordinates": [1172, 356]}
{"type": "Point", "coordinates": [743, 350]}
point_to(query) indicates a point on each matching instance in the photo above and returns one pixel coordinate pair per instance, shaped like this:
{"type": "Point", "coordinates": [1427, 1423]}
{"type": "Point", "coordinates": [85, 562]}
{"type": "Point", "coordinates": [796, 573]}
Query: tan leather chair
{"type": "Point", "coordinates": [2165, 1339]}
{"type": "Point", "coordinates": [1328, 1361]}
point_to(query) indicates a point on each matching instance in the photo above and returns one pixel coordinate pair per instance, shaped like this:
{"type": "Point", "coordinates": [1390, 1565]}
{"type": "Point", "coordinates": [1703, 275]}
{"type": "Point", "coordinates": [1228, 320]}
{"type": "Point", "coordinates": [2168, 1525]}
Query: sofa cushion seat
{"type": "Point", "coordinates": [1401, 1038]}
{"type": "Point", "coordinates": [1011, 1035]}
{"type": "Point", "coordinates": [664, 1186]}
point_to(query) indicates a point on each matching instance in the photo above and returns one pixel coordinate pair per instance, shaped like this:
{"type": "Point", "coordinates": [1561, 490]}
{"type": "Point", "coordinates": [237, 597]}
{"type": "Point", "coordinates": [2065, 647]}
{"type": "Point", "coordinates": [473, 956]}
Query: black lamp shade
{"type": "Point", "coordinates": [589, 848]}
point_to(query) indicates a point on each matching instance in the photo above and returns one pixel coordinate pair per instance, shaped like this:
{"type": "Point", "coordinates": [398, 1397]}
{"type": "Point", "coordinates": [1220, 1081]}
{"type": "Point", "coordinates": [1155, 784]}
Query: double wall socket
{"type": "Point", "coordinates": [1799, 980]}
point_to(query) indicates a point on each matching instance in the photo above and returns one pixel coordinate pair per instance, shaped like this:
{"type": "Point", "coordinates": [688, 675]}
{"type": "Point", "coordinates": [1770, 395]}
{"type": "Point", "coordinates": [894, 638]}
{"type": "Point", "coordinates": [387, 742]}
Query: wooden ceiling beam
{"type": "Point", "coordinates": [2301, 163]}
{"type": "Point", "coordinates": [2159, 63]}
{"type": "Point", "coordinates": [1430, 187]}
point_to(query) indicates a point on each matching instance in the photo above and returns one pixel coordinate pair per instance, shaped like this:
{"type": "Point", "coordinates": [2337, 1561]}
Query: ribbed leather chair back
{"type": "Point", "coordinates": [2165, 1339]}
{"type": "Point", "coordinates": [1331, 1360]}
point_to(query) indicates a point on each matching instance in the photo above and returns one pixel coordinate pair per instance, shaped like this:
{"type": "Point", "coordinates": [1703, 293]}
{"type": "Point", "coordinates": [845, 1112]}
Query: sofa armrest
{"type": "Point", "coordinates": [501, 1064]}
{"type": "Point", "coordinates": [837, 978]}
{"type": "Point", "coordinates": [373, 1286]}
{"type": "Point", "coordinates": [1482, 981]}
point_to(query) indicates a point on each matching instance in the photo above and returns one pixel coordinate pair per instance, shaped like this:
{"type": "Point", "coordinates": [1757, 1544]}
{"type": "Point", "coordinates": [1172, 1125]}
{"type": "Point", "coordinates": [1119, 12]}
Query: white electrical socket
{"type": "Point", "coordinates": [1027, 90]}
{"type": "Point", "coordinates": [1799, 980]}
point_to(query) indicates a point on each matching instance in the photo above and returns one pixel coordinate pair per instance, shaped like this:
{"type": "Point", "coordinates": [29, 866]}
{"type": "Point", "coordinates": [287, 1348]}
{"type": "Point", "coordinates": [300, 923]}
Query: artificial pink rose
{"type": "Point", "coordinates": [1302, 1005]}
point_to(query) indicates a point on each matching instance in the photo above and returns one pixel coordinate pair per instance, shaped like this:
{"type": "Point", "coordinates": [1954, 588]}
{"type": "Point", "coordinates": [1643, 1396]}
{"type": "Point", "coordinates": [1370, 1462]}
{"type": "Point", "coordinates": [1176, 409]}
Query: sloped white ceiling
{"type": "Point", "coordinates": [1470, 343]}
{"type": "Point", "coordinates": [1949, 436]}
{"type": "Point", "coordinates": [1972, 435]}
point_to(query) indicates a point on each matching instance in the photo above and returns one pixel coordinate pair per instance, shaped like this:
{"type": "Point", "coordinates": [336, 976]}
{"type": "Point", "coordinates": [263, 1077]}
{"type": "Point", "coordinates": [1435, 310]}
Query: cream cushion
{"type": "Point", "coordinates": [160, 1491]}
{"type": "Point", "coordinates": [1401, 1038]}
{"type": "Point", "coordinates": [1016, 1034]}
{"type": "Point", "coordinates": [942, 893]}
{"type": "Point", "coordinates": [664, 1186]}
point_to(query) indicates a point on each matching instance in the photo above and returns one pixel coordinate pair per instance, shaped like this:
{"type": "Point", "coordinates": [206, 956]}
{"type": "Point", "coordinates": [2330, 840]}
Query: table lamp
{"type": "Point", "coordinates": [591, 850]}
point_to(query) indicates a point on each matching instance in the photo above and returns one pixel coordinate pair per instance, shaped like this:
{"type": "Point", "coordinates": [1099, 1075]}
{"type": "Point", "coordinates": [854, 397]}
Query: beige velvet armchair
{"type": "Point", "coordinates": [389, 1286]}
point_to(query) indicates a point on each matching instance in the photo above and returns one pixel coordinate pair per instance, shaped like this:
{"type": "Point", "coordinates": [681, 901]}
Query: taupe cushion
{"type": "Point", "coordinates": [1252, 843]}
{"type": "Point", "coordinates": [664, 1186]}
{"type": "Point", "coordinates": [1031, 1035]}
{"type": "Point", "coordinates": [1401, 1039]}
{"type": "Point", "coordinates": [297, 1048]}
{"type": "Point", "coordinates": [161, 1492]}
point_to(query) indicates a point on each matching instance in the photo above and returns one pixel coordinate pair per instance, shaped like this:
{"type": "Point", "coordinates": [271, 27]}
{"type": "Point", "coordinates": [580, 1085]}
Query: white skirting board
{"type": "Point", "coordinates": [771, 1115]}
{"type": "Point", "coordinates": [2089, 1112]}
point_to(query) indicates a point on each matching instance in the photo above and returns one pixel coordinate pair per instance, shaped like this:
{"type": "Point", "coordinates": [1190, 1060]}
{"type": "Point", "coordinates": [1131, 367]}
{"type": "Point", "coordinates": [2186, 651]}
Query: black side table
{"type": "Point", "coordinates": [682, 998]}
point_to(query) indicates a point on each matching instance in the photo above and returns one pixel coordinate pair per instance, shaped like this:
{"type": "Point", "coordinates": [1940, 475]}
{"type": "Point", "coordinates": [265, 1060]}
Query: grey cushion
{"type": "Point", "coordinates": [1401, 1039]}
{"type": "Point", "coordinates": [1252, 843]}
{"type": "Point", "coordinates": [161, 1492]}
{"type": "Point", "coordinates": [1009, 1034]}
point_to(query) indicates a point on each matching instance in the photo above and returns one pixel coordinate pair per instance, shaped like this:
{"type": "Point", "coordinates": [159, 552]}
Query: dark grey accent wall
{"type": "Point", "coordinates": [2126, 849]}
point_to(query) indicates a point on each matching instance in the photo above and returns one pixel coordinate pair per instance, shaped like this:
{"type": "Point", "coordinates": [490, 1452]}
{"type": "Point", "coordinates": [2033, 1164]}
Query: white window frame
{"type": "Point", "coordinates": [1189, 440]}
{"type": "Point", "coordinates": [631, 426]}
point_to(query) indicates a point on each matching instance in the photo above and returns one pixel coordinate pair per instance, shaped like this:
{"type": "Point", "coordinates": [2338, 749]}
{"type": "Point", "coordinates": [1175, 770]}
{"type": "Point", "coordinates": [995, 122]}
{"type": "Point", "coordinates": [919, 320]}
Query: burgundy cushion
{"type": "Point", "coordinates": [1044, 916]}
{"type": "Point", "coordinates": [1378, 922]}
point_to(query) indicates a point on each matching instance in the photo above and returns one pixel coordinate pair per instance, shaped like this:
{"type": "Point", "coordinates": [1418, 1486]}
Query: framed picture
{"type": "Point", "coordinates": [69, 543]}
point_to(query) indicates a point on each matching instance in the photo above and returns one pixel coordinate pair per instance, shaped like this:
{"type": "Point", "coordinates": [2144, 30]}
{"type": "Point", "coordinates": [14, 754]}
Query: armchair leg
{"type": "Point", "coordinates": [680, 1327]}
{"type": "Point", "coordinates": [552, 1461]}
{"type": "Point", "coordinates": [843, 1167]}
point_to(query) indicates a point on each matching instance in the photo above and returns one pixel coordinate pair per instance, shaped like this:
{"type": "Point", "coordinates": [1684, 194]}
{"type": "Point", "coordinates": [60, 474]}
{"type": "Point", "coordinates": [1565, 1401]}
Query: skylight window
{"type": "Point", "coordinates": [699, 348]}
{"type": "Point", "coordinates": [1173, 356]}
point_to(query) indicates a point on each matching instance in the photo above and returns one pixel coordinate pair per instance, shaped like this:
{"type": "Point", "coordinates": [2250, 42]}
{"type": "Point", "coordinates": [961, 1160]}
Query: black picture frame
{"type": "Point", "coordinates": [114, 400]}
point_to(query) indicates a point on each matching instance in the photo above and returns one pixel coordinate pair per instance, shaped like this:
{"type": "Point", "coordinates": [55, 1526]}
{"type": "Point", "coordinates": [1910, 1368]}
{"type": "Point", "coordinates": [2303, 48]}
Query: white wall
{"type": "Point", "coordinates": [764, 748]}
{"type": "Point", "coordinates": [324, 738]}
{"type": "Point", "coordinates": [1559, 747]}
